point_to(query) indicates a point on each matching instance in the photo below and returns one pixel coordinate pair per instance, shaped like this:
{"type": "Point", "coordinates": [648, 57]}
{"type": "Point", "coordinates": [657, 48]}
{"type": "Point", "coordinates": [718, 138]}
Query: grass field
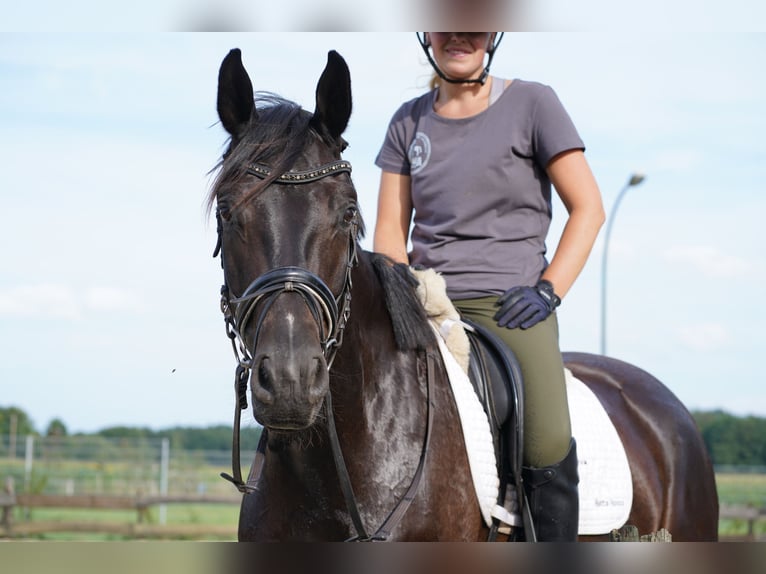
{"type": "Point", "coordinates": [215, 521]}
{"type": "Point", "coordinates": [733, 489]}
{"type": "Point", "coordinates": [741, 490]}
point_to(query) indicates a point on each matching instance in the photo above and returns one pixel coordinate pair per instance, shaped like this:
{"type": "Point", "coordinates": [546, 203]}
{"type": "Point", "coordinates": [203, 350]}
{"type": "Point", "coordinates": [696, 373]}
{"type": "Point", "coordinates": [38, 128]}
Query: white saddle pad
{"type": "Point", "coordinates": [606, 487]}
{"type": "Point", "coordinates": [476, 433]}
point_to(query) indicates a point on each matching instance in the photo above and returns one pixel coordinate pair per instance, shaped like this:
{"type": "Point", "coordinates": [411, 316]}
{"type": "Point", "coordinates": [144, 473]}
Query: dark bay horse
{"type": "Point", "coordinates": [363, 439]}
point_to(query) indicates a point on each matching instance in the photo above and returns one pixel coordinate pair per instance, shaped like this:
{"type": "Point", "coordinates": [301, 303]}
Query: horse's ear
{"type": "Point", "coordinates": [235, 94]}
{"type": "Point", "coordinates": [333, 106]}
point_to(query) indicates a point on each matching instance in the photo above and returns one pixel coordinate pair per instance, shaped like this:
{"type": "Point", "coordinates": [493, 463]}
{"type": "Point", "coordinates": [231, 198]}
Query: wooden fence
{"type": "Point", "coordinates": [750, 515]}
{"type": "Point", "coordinates": [141, 528]}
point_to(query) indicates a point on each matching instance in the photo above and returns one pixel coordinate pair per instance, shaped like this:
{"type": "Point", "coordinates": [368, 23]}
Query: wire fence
{"type": "Point", "coordinates": [73, 465]}
{"type": "Point", "coordinates": [739, 469]}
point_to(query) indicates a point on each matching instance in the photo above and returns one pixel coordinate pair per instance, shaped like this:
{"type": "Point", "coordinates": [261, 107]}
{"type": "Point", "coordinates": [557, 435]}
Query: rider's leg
{"type": "Point", "coordinates": [550, 459]}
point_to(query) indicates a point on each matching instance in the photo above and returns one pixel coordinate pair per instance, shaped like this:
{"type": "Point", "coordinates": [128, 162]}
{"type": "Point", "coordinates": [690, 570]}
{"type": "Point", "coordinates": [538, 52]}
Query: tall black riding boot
{"type": "Point", "coordinates": [553, 498]}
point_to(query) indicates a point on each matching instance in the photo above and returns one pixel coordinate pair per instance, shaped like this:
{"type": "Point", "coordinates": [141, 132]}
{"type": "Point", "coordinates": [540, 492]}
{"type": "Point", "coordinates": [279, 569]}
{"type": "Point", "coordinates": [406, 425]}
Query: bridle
{"type": "Point", "coordinates": [331, 314]}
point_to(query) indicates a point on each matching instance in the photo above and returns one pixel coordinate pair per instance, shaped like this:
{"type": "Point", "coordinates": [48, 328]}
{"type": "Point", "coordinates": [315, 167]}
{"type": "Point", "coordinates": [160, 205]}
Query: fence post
{"type": "Point", "coordinates": [7, 517]}
{"type": "Point", "coordinates": [28, 460]}
{"type": "Point", "coordinates": [12, 437]}
{"type": "Point", "coordinates": [164, 471]}
{"type": "Point", "coordinates": [141, 507]}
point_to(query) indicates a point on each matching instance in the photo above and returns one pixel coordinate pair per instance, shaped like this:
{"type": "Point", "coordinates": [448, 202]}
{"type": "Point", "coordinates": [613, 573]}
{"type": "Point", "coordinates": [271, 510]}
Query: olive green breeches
{"type": "Point", "coordinates": [547, 429]}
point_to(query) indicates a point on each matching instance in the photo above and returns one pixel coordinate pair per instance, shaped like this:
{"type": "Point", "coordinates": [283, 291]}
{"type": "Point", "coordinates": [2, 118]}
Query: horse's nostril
{"type": "Point", "coordinates": [264, 372]}
{"type": "Point", "coordinates": [263, 383]}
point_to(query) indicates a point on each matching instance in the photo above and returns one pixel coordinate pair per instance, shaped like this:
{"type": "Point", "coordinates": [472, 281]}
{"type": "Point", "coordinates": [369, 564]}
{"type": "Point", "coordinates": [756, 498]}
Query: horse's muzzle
{"type": "Point", "coordinates": [288, 388]}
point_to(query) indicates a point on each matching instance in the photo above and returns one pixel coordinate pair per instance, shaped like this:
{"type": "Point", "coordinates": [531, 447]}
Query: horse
{"type": "Point", "coordinates": [361, 435]}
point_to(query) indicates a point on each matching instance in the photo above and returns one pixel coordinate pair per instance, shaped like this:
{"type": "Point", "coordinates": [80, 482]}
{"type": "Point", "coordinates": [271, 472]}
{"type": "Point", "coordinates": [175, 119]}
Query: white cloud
{"type": "Point", "coordinates": [710, 261]}
{"type": "Point", "coordinates": [57, 301]}
{"type": "Point", "coordinates": [110, 299]}
{"type": "Point", "coordinates": [44, 300]}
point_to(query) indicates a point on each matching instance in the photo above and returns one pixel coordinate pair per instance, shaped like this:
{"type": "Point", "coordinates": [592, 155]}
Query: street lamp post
{"type": "Point", "coordinates": [635, 179]}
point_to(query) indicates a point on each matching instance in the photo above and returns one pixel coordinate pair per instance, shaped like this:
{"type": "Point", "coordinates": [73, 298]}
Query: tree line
{"type": "Point", "coordinates": [733, 440]}
{"type": "Point", "coordinates": [16, 422]}
{"type": "Point", "coordinates": [730, 439]}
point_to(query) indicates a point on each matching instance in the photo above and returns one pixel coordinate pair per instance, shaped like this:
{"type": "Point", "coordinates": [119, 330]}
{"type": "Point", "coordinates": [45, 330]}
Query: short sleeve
{"type": "Point", "coordinates": [392, 156]}
{"type": "Point", "coordinates": [553, 129]}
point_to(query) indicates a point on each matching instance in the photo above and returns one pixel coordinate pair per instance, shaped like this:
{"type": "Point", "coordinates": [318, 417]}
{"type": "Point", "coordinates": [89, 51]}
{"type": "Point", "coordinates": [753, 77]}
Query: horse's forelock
{"type": "Point", "coordinates": [275, 139]}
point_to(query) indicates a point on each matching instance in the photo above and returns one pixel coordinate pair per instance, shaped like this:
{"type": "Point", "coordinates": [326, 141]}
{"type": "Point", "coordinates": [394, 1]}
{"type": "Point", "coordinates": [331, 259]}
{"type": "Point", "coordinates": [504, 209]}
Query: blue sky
{"type": "Point", "coordinates": [108, 291]}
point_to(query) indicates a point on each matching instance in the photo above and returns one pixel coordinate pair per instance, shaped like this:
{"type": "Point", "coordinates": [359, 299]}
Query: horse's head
{"type": "Point", "coordinates": [288, 225]}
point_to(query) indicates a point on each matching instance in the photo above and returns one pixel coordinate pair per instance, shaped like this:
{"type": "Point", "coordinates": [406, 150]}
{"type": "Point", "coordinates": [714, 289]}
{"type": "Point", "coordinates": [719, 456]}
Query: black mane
{"type": "Point", "coordinates": [412, 330]}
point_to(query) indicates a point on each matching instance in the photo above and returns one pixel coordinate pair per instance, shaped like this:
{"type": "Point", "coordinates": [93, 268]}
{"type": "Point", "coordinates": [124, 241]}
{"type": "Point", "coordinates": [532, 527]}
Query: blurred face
{"type": "Point", "coordinates": [460, 55]}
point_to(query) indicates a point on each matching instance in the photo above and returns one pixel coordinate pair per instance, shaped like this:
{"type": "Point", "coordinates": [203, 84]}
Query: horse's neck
{"type": "Point", "coordinates": [364, 360]}
{"type": "Point", "coordinates": [376, 388]}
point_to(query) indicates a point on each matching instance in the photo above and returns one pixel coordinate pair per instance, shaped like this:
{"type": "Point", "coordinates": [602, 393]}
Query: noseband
{"type": "Point", "coordinates": [272, 284]}
{"type": "Point", "coordinates": [329, 312]}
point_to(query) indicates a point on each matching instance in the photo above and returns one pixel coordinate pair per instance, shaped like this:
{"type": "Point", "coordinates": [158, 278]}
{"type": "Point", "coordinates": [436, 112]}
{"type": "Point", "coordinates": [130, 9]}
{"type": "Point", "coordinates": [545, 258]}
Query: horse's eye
{"type": "Point", "coordinates": [222, 211]}
{"type": "Point", "coordinates": [350, 215]}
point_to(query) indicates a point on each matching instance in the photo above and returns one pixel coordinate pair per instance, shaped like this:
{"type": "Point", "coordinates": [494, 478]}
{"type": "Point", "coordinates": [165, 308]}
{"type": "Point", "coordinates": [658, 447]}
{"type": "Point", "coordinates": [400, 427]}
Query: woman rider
{"type": "Point", "coordinates": [474, 160]}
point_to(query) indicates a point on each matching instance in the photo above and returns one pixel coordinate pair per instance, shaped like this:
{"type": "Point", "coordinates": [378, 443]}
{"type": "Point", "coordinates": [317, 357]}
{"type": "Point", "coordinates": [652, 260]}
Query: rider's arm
{"type": "Point", "coordinates": [392, 227]}
{"type": "Point", "coordinates": [571, 176]}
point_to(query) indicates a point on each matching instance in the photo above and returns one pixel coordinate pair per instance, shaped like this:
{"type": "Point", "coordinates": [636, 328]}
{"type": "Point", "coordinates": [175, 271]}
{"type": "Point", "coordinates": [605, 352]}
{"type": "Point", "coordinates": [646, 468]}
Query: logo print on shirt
{"type": "Point", "coordinates": [419, 152]}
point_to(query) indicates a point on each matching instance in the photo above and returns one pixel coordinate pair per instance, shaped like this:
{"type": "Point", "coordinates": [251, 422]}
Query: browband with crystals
{"type": "Point", "coordinates": [304, 176]}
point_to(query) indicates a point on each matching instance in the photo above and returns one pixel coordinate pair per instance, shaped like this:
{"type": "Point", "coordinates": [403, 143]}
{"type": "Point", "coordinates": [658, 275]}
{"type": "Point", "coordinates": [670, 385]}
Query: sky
{"type": "Point", "coordinates": [108, 290]}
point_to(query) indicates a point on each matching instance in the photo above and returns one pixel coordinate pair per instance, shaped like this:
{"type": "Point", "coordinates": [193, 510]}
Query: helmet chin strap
{"type": "Point", "coordinates": [484, 73]}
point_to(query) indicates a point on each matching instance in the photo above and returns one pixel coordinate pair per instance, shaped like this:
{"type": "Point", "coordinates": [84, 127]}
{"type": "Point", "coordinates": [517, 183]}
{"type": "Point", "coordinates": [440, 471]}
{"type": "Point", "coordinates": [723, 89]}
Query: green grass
{"type": "Point", "coordinates": [733, 489]}
{"type": "Point", "coordinates": [216, 515]}
{"type": "Point", "coordinates": [741, 490]}
{"type": "Point", "coordinates": [73, 515]}
{"type": "Point", "coordinates": [212, 514]}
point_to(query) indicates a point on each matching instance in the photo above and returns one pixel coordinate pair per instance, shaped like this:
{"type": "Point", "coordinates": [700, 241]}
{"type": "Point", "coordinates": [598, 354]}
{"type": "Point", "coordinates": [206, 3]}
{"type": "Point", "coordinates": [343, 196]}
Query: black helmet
{"type": "Point", "coordinates": [485, 73]}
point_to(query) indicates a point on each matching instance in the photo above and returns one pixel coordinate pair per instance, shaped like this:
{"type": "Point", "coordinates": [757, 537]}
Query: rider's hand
{"type": "Point", "coordinates": [526, 306]}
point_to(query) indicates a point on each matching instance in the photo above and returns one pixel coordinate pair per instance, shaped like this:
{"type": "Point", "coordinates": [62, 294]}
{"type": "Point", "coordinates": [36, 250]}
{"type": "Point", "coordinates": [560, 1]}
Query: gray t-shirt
{"type": "Point", "coordinates": [480, 192]}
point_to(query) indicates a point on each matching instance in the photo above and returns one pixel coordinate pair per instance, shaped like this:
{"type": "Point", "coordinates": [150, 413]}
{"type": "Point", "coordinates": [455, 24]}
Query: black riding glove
{"type": "Point", "coordinates": [526, 306]}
